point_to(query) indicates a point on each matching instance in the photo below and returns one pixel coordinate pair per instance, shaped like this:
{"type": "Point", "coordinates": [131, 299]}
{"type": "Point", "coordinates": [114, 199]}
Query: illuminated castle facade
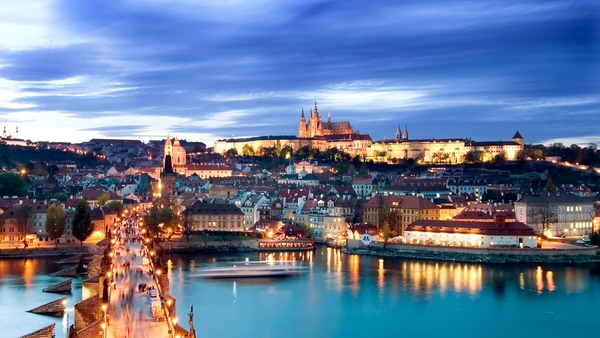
{"type": "Point", "coordinates": [316, 127]}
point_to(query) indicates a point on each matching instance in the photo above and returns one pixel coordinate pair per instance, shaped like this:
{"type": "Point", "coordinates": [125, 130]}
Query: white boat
{"type": "Point", "coordinates": [251, 271]}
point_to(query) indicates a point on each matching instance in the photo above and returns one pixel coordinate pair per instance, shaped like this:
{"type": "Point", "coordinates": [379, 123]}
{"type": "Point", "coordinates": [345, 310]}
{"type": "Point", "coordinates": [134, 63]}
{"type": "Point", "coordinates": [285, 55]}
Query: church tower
{"type": "Point", "coordinates": [302, 132]}
{"type": "Point", "coordinates": [398, 134]}
{"type": "Point", "coordinates": [17, 132]}
{"type": "Point", "coordinates": [168, 178]}
{"type": "Point", "coordinates": [405, 135]}
{"type": "Point", "coordinates": [4, 133]}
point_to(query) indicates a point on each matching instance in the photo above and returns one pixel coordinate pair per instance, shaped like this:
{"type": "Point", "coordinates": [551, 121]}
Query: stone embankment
{"type": "Point", "coordinates": [483, 256]}
{"type": "Point", "coordinates": [45, 252]}
{"type": "Point", "coordinates": [206, 246]}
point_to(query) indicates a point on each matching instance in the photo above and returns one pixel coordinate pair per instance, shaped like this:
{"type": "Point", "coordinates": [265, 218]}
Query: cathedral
{"type": "Point", "coordinates": [316, 127]}
{"type": "Point", "coordinates": [177, 154]}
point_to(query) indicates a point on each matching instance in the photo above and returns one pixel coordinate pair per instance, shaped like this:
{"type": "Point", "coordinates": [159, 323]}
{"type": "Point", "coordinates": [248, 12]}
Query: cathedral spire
{"type": "Point", "coordinates": [315, 110]}
{"type": "Point", "coordinates": [398, 133]}
{"type": "Point", "coordinates": [302, 115]}
{"type": "Point", "coordinates": [328, 115]}
{"type": "Point", "coordinates": [405, 135]}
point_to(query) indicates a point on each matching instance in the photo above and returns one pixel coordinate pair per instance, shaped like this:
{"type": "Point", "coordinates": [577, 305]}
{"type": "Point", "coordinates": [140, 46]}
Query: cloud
{"type": "Point", "coordinates": [212, 69]}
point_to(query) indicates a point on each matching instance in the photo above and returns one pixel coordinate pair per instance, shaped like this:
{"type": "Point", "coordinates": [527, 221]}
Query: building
{"type": "Point", "coordinates": [13, 140]}
{"type": "Point", "coordinates": [494, 234]}
{"type": "Point", "coordinates": [207, 171]}
{"type": "Point", "coordinates": [556, 214]}
{"type": "Point", "coordinates": [168, 179]}
{"type": "Point", "coordinates": [302, 178]}
{"type": "Point", "coordinates": [363, 186]}
{"type": "Point", "coordinates": [399, 211]}
{"type": "Point", "coordinates": [214, 216]}
{"type": "Point", "coordinates": [177, 153]}
{"type": "Point", "coordinates": [313, 133]}
{"type": "Point", "coordinates": [443, 151]}
{"type": "Point", "coordinates": [316, 127]}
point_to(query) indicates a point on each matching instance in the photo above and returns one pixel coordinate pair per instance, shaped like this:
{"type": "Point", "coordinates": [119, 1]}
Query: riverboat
{"type": "Point", "coordinates": [257, 270]}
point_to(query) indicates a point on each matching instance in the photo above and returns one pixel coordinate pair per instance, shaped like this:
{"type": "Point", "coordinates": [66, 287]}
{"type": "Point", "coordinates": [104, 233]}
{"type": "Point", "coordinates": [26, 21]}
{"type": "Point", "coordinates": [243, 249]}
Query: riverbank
{"type": "Point", "coordinates": [586, 255]}
{"type": "Point", "coordinates": [235, 245]}
{"type": "Point", "coordinates": [203, 246]}
{"type": "Point", "coordinates": [47, 252]}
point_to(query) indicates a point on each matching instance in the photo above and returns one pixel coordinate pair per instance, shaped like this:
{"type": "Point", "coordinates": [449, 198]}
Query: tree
{"type": "Point", "coordinates": [549, 188]}
{"type": "Point", "coordinates": [247, 150]}
{"type": "Point", "coordinates": [364, 169]}
{"type": "Point", "coordinates": [12, 185]}
{"type": "Point", "coordinates": [116, 206]}
{"type": "Point", "coordinates": [157, 220]}
{"type": "Point", "coordinates": [232, 152]}
{"type": "Point", "coordinates": [82, 221]}
{"type": "Point", "coordinates": [103, 199]}
{"type": "Point", "coordinates": [387, 233]}
{"type": "Point", "coordinates": [544, 215]}
{"type": "Point", "coordinates": [351, 169]}
{"type": "Point", "coordinates": [474, 156]}
{"type": "Point", "coordinates": [305, 230]}
{"type": "Point", "coordinates": [56, 218]}
{"type": "Point", "coordinates": [24, 218]}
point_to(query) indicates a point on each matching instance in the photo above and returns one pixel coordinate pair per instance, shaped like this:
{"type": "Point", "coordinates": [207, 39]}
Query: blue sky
{"type": "Point", "coordinates": [73, 70]}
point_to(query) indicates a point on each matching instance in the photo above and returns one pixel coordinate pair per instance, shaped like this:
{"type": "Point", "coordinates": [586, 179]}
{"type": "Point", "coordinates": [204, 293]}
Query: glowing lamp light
{"type": "Point", "coordinates": [175, 321]}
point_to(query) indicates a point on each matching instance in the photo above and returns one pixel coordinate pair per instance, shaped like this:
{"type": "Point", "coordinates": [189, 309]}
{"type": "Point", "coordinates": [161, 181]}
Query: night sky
{"type": "Point", "coordinates": [74, 70]}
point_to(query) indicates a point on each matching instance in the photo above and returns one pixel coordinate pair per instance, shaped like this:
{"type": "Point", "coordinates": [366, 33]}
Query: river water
{"type": "Point", "coordinates": [342, 295]}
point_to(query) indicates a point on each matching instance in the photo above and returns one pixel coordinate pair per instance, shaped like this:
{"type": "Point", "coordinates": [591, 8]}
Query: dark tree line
{"type": "Point", "coordinates": [572, 154]}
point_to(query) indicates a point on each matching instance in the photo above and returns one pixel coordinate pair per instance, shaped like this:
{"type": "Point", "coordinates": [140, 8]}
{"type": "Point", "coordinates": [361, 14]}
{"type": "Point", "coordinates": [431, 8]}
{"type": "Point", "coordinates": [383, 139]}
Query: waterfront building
{"type": "Point", "coordinates": [490, 234]}
{"type": "Point", "coordinates": [250, 207]}
{"type": "Point", "coordinates": [399, 211]}
{"type": "Point", "coordinates": [567, 214]}
{"type": "Point", "coordinates": [214, 216]}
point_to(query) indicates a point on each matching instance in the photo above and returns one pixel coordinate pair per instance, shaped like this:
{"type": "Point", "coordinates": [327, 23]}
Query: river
{"type": "Point", "coordinates": [347, 296]}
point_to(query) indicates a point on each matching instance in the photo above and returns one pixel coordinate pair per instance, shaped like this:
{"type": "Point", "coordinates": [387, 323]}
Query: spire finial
{"type": "Point", "coordinates": [302, 116]}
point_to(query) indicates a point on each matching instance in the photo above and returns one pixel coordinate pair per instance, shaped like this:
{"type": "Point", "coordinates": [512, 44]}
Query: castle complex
{"type": "Point", "coordinates": [316, 127]}
{"type": "Point", "coordinates": [315, 133]}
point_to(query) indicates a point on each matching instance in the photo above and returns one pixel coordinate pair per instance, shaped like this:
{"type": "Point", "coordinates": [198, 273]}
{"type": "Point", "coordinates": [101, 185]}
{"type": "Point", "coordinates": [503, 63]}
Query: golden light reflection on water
{"type": "Point", "coordinates": [426, 276]}
{"type": "Point", "coordinates": [539, 279]}
{"type": "Point", "coordinates": [354, 274]}
{"type": "Point", "coordinates": [380, 277]}
{"type": "Point", "coordinates": [550, 280]}
{"type": "Point", "coordinates": [29, 273]}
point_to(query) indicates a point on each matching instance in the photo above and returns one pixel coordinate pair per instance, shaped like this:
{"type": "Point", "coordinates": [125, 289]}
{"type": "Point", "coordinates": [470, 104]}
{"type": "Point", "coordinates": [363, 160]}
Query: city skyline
{"type": "Point", "coordinates": [74, 71]}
